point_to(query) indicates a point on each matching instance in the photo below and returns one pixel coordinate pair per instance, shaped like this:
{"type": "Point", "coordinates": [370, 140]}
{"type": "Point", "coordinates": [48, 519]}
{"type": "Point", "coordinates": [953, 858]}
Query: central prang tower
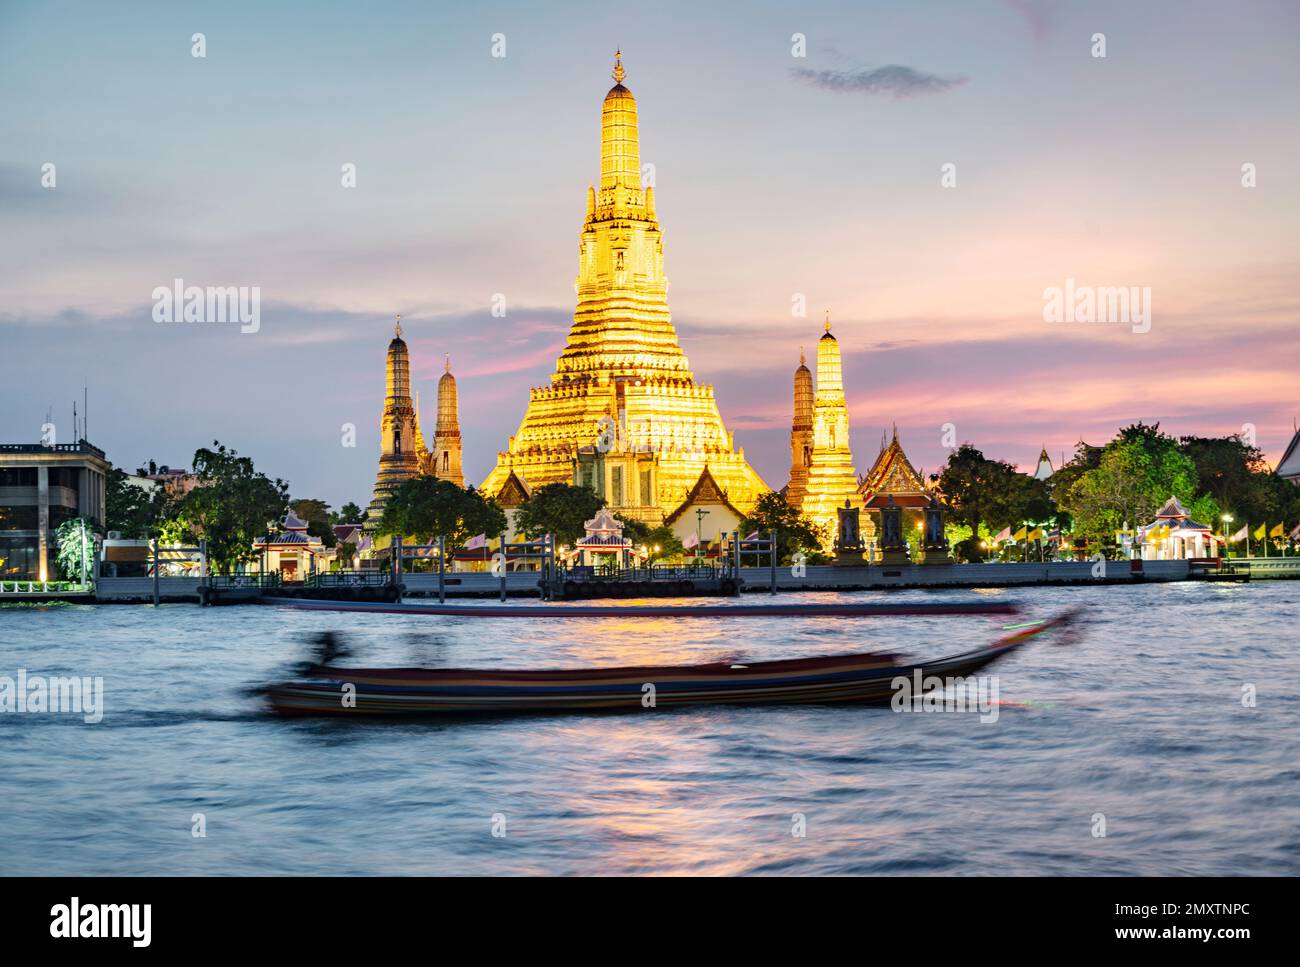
{"type": "Point", "coordinates": [623, 413]}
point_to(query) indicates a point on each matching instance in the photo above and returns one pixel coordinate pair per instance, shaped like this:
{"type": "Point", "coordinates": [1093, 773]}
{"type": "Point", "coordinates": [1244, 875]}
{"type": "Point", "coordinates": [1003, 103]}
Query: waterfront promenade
{"type": "Point", "coordinates": [760, 579]}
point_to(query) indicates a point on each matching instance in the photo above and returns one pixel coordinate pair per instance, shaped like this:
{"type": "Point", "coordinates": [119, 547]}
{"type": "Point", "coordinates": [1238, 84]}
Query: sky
{"type": "Point", "coordinates": [779, 179]}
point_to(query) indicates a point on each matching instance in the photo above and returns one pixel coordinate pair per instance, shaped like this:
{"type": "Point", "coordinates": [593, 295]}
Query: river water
{"type": "Point", "coordinates": [1137, 725]}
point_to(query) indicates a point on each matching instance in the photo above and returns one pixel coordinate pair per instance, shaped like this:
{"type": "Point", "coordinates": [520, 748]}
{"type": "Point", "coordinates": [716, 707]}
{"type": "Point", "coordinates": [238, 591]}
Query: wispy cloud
{"type": "Point", "coordinates": [893, 80]}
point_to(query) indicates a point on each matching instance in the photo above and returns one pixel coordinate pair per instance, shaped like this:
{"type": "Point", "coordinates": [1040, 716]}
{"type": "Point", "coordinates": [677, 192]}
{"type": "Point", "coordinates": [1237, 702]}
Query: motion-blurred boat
{"type": "Point", "coordinates": [835, 679]}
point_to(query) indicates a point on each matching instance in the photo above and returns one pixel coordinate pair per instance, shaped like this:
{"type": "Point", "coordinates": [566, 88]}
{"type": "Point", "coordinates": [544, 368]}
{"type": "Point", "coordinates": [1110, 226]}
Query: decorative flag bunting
{"type": "Point", "coordinates": [474, 543]}
{"type": "Point", "coordinates": [1003, 535]}
{"type": "Point", "coordinates": [692, 540]}
{"type": "Point", "coordinates": [1240, 535]}
{"type": "Point", "coordinates": [1278, 531]}
{"type": "Point", "coordinates": [1019, 535]}
{"type": "Point", "coordinates": [1259, 532]}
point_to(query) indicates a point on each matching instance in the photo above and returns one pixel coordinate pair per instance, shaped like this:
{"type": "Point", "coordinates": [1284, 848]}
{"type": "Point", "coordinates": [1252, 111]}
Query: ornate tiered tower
{"type": "Point", "coordinates": [831, 478]}
{"type": "Point", "coordinates": [401, 445]}
{"type": "Point", "coordinates": [801, 434]}
{"type": "Point", "coordinates": [623, 412]}
{"type": "Point", "coordinates": [444, 461]}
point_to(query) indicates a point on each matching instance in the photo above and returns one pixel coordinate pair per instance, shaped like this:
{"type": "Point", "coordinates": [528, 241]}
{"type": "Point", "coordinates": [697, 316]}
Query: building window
{"type": "Point", "coordinates": [397, 441]}
{"type": "Point", "coordinates": [616, 486]}
{"type": "Point", "coordinates": [18, 477]}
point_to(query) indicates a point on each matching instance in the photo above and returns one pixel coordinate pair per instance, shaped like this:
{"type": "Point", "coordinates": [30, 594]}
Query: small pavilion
{"type": "Point", "coordinates": [291, 550]}
{"type": "Point", "coordinates": [1174, 536]}
{"type": "Point", "coordinates": [604, 536]}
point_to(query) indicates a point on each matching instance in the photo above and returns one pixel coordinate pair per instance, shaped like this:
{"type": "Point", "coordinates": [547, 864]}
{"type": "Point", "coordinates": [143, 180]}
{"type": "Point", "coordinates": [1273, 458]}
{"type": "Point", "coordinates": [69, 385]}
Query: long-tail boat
{"type": "Point", "coordinates": [868, 678]}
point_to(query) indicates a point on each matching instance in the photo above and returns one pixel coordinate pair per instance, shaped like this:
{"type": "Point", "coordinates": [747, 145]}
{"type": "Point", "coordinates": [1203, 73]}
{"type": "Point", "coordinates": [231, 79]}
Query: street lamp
{"type": "Point", "coordinates": [700, 514]}
{"type": "Point", "coordinates": [1227, 519]}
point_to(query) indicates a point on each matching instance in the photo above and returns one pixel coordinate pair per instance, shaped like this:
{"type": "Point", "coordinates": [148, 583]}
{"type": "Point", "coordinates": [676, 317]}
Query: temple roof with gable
{"type": "Point", "coordinates": [705, 491]}
{"type": "Point", "coordinates": [1044, 469]}
{"type": "Point", "coordinates": [604, 531]}
{"type": "Point", "coordinates": [892, 475]}
{"type": "Point", "coordinates": [1289, 466]}
{"type": "Point", "coordinates": [1173, 513]}
{"type": "Point", "coordinates": [1173, 509]}
{"type": "Point", "coordinates": [514, 492]}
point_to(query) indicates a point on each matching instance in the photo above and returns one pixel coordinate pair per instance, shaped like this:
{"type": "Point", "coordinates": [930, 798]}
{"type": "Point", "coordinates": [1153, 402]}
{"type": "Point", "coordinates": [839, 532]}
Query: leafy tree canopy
{"type": "Point", "coordinates": [136, 512]}
{"type": "Point", "coordinates": [991, 494]}
{"type": "Point", "coordinates": [558, 509]}
{"type": "Point", "coordinates": [427, 507]}
{"type": "Point", "coordinates": [75, 539]}
{"type": "Point", "coordinates": [317, 515]}
{"type": "Point", "coordinates": [232, 505]}
{"type": "Point", "coordinates": [1137, 472]}
{"type": "Point", "coordinates": [794, 532]}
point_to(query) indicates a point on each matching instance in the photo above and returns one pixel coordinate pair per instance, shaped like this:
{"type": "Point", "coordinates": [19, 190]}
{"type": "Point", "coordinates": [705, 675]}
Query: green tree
{"type": "Point", "coordinates": [349, 513]}
{"type": "Point", "coordinates": [560, 510]}
{"type": "Point", "coordinates": [76, 556]}
{"type": "Point", "coordinates": [664, 545]}
{"type": "Point", "coordinates": [427, 507]}
{"type": "Point", "coordinates": [1137, 472]}
{"type": "Point", "coordinates": [637, 531]}
{"type": "Point", "coordinates": [980, 492]}
{"type": "Point", "coordinates": [1235, 474]}
{"type": "Point", "coordinates": [662, 537]}
{"type": "Point", "coordinates": [794, 532]}
{"type": "Point", "coordinates": [232, 505]}
{"type": "Point", "coordinates": [136, 512]}
{"type": "Point", "coordinates": [317, 515]}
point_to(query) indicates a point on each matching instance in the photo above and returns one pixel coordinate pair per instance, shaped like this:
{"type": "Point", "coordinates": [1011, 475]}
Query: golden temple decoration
{"type": "Point", "coordinates": [401, 444]}
{"type": "Point", "coordinates": [822, 477]}
{"type": "Point", "coordinates": [623, 412]}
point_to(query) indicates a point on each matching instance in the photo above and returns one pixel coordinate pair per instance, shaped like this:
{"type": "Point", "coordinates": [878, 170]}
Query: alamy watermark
{"type": "Point", "coordinates": [931, 693]}
{"type": "Point", "coordinates": [1129, 305]}
{"type": "Point", "coordinates": [56, 695]}
{"type": "Point", "coordinates": [214, 303]}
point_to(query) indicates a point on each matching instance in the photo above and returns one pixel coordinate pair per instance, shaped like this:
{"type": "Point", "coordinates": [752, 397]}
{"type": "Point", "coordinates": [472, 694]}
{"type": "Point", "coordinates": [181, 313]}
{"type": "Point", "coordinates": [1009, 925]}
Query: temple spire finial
{"type": "Point", "coordinates": [802, 359]}
{"type": "Point", "coordinates": [446, 362]}
{"type": "Point", "coordinates": [828, 320]}
{"type": "Point", "coordinates": [399, 325]}
{"type": "Point", "coordinates": [619, 73]}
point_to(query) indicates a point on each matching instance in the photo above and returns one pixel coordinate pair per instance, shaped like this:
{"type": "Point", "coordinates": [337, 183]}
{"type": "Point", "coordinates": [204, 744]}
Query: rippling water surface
{"type": "Point", "coordinates": [1140, 720]}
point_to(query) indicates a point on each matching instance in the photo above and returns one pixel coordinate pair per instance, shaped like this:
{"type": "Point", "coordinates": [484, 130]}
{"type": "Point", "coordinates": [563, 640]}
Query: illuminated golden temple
{"type": "Point", "coordinates": [623, 413]}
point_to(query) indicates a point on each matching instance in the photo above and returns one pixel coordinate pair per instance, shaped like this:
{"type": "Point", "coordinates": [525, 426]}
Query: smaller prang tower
{"type": "Point", "coordinates": [401, 445]}
{"type": "Point", "coordinates": [801, 434]}
{"type": "Point", "coordinates": [446, 455]}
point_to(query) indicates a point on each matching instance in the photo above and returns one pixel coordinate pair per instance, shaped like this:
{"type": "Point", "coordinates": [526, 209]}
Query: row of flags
{"type": "Point", "coordinates": [1277, 530]}
{"type": "Point", "coordinates": [1024, 534]}
{"type": "Point", "coordinates": [1037, 533]}
{"type": "Point", "coordinates": [692, 540]}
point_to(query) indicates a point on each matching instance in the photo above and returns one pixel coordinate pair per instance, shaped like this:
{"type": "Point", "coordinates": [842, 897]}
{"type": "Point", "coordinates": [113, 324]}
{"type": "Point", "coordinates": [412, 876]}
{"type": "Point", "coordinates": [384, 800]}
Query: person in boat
{"type": "Point", "coordinates": [328, 648]}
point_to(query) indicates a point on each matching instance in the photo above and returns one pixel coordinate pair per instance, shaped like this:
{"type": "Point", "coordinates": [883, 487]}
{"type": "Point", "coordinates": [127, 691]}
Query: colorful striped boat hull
{"type": "Point", "coordinates": [830, 680]}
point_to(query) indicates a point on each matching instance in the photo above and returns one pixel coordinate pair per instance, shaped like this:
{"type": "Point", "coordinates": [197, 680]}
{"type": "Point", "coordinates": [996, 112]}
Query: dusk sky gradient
{"type": "Point", "coordinates": [774, 176]}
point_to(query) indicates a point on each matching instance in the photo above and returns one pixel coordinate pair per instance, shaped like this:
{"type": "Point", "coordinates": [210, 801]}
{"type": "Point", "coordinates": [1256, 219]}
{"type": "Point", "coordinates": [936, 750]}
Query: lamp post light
{"type": "Point", "coordinates": [1227, 519]}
